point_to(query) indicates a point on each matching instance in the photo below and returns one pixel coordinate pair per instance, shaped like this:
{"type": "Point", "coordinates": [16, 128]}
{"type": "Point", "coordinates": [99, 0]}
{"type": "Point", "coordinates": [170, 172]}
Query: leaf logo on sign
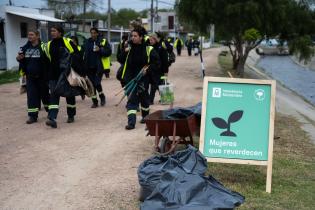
{"type": "Point", "coordinates": [221, 123]}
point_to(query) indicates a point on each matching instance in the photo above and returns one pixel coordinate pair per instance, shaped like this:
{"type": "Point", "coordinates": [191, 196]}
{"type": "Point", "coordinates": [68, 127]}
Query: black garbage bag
{"type": "Point", "coordinates": [178, 182]}
{"type": "Point", "coordinates": [151, 170]}
{"type": "Point", "coordinates": [63, 88]}
{"type": "Point", "coordinates": [180, 112]}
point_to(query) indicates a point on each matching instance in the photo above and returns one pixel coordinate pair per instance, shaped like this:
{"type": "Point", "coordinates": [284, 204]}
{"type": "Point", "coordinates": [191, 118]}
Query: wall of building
{"type": "Point", "coordinates": [13, 37]}
{"type": "Point", "coordinates": [163, 24]}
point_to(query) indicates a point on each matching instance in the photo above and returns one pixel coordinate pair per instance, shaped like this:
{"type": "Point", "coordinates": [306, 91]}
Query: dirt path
{"type": "Point", "coordinates": [91, 164]}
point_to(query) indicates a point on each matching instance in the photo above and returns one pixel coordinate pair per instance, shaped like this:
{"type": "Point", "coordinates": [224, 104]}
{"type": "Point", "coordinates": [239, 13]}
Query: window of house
{"type": "Point", "coordinates": [170, 22]}
{"type": "Point", "coordinates": [23, 28]}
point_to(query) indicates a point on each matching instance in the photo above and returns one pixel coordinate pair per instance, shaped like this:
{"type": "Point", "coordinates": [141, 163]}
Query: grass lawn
{"type": "Point", "coordinates": [9, 76]}
{"type": "Point", "coordinates": [293, 182]}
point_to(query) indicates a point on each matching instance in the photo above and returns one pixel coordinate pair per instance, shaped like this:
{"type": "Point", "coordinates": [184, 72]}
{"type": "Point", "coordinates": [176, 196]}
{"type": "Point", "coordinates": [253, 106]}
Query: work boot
{"type": "Point", "coordinates": [94, 101]}
{"type": "Point", "coordinates": [31, 120]}
{"type": "Point", "coordinates": [70, 120]}
{"type": "Point", "coordinates": [129, 127]}
{"type": "Point", "coordinates": [142, 121]}
{"type": "Point", "coordinates": [94, 105]}
{"type": "Point", "coordinates": [52, 123]}
{"type": "Point", "coordinates": [103, 100]}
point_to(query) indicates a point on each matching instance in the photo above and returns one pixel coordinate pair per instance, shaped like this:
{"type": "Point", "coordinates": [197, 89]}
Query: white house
{"type": "Point", "coordinates": [14, 25]}
{"type": "Point", "coordinates": [165, 22]}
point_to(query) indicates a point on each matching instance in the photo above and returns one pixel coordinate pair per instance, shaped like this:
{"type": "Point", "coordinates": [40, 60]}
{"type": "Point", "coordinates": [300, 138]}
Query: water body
{"type": "Point", "coordinates": [295, 77]}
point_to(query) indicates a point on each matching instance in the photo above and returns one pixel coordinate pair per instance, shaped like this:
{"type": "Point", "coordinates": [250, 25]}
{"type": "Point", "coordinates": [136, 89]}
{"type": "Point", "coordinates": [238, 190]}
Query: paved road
{"type": "Point", "coordinates": [297, 78]}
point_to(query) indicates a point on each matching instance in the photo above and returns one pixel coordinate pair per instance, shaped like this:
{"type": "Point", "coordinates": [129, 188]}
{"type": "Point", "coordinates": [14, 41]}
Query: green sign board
{"type": "Point", "coordinates": [237, 120]}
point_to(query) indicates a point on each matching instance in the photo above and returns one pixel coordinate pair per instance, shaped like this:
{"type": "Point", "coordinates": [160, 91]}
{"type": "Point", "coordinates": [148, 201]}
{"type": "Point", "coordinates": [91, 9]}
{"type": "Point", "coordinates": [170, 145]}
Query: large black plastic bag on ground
{"type": "Point", "coordinates": [178, 182]}
{"type": "Point", "coordinates": [151, 170]}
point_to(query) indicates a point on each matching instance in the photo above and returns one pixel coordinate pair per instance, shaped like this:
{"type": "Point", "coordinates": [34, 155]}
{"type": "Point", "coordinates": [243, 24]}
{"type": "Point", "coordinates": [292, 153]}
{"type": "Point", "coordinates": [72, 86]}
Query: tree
{"type": "Point", "coordinates": [92, 15]}
{"type": "Point", "coordinates": [123, 16]}
{"type": "Point", "coordinates": [245, 23]}
{"type": "Point", "coordinates": [65, 8]}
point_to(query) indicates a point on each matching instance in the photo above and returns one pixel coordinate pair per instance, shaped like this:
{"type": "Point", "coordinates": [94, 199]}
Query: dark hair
{"type": "Point", "coordinates": [140, 30]}
{"type": "Point", "coordinates": [59, 28]}
{"type": "Point", "coordinates": [75, 38]}
{"type": "Point", "coordinates": [94, 29]}
{"type": "Point", "coordinates": [124, 37]}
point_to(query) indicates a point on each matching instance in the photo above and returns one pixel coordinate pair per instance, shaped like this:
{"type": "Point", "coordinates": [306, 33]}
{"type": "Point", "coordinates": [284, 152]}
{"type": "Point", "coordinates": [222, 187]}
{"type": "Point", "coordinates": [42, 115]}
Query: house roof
{"type": "Point", "coordinates": [34, 14]}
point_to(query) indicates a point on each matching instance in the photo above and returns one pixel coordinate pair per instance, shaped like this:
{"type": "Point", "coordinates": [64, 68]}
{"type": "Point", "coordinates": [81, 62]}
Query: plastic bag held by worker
{"type": "Point", "coordinates": [63, 88]}
{"type": "Point", "coordinates": [178, 182]}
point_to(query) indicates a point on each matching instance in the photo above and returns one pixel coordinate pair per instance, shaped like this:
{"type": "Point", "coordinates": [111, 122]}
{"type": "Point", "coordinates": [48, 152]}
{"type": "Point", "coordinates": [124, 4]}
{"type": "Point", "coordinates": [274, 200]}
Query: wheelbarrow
{"type": "Point", "coordinates": [170, 132]}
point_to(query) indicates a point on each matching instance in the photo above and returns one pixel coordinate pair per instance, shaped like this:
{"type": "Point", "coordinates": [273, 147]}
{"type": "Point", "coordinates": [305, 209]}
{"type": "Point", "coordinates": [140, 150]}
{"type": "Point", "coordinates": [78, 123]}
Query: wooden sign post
{"type": "Point", "coordinates": [237, 124]}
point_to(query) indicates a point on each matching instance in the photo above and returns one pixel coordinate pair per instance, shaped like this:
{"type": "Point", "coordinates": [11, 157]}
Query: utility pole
{"type": "Point", "coordinates": [156, 15]}
{"type": "Point", "coordinates": [108, 20]}
{"type": "Point", "coordinates": [84, 6]}
{"type": "Point", "coordinates": [84, 13]}
{"type": "Point", "coordinates": [152, 16]}
{"type": "Point", "coordinates": [10, 2]}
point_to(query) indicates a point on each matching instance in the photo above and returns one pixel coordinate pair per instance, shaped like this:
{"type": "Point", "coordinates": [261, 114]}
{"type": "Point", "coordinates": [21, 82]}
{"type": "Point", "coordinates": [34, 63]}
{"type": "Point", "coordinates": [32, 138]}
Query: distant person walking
{"type": "Point", "coordinates": [157, 76]}
{"type": "Point", "coordinates": [189, 44]}
{"type": "Point", "coordinates": [33, 66]}
{"type": "Point", "coordinates": [196, 45]}
{"type": "Point", "coordinates": [97, 52]}
{"type": "Point", "coordinates": [178, 45]}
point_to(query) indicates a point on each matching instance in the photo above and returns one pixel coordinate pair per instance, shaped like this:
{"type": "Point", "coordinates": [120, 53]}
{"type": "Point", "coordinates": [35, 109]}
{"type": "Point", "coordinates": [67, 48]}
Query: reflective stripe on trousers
{"type": "Point", "coordinates": [129, 112]}
{"type": "Point", "coordinates": [32, 110]}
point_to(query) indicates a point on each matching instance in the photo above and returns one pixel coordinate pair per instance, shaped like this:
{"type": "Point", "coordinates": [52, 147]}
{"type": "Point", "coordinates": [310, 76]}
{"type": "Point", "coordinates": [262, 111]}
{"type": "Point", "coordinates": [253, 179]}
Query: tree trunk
{"type": "Point", "coordinates": [235, 61]}
{"type": "Point", "coordinates": [241, 66]}
{"type": "Point", "coordinates": [235, 56]}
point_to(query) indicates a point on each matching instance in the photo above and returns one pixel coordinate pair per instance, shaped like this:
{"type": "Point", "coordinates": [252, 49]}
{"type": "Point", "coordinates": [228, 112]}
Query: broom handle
{"type": "Point", "coordinates": [122, 98]}
{"type": "Point", "coordinates": [131, 81]}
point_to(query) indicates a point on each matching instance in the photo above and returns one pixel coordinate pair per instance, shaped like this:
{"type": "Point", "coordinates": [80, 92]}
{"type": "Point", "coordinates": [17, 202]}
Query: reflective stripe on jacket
{"type": "Point", "coordinates": [66, 41]}
{"type": "Point", "coordinates": [105, 60]}
{"type": "Point", "coordinates": [148, 50]}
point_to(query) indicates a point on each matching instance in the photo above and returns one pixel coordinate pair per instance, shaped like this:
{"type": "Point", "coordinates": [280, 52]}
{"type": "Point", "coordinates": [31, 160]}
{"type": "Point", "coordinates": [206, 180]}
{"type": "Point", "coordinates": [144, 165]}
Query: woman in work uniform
{"type": "Point", "coordinates": [158, 76]}
{"type": "Point", "coordinates": [97, 52]}
{"type": "Point", "coordinates": [54, 51]}
{"type": "Point", "coordinates": [135, 58]}
{"type": "Point", "coordinates": [33, 65]}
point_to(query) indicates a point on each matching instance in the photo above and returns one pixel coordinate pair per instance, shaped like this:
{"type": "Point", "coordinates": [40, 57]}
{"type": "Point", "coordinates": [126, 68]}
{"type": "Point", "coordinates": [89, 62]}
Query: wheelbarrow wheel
{"type": "Point", "coordinates": [165, 145]}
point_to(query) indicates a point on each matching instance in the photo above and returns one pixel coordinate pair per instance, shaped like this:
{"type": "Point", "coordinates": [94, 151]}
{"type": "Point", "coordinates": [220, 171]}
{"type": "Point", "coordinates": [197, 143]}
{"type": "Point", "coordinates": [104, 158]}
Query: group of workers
{"type": "Point", "coordinates": [191, 45]}
{"type": "Point", "coordinates": [42, 64]}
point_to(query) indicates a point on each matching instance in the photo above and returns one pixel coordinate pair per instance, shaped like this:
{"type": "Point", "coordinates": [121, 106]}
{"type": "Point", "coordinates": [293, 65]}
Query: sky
{"type": "Point", "coordinates": [116, 4]}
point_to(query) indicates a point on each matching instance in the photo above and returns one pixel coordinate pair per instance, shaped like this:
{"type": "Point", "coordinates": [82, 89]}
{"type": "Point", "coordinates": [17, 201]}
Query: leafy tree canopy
{"type": "Point", "coordinates": [246, 22]}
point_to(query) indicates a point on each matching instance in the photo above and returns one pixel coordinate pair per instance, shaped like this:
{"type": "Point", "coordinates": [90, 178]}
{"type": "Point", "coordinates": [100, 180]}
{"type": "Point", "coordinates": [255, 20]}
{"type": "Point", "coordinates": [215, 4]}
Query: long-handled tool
{"type": "Point", "coordinates": [131, 86]}
{"type": "Point", "coordinates": [128, 84]}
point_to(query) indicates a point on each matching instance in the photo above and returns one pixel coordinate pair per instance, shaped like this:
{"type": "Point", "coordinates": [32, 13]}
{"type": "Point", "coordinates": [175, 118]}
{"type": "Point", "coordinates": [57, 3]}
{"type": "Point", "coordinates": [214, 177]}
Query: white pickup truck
{"type": "Point", "coordinates": [272, 47]}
